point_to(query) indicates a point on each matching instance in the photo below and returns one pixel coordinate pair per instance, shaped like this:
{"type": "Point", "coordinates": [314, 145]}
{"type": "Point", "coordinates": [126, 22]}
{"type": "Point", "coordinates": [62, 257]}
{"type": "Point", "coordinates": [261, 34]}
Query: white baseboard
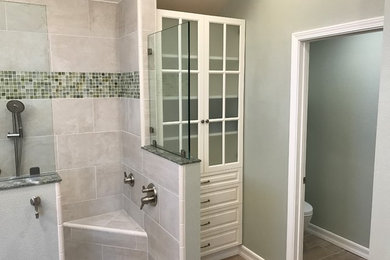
{"type": "Point", "coordinates": [248, 254]}
{"type": "Point", "coordinates": [339, 241]}
{"type": "Point", "coordinates": [237, 250]}
{"type": "Point", "coordinates": [223, 254]}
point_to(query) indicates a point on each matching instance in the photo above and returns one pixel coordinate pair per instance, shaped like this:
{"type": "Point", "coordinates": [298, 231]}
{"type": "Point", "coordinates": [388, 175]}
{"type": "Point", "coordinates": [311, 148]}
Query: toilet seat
{"type": "Point", "coordinates": [308, 209]}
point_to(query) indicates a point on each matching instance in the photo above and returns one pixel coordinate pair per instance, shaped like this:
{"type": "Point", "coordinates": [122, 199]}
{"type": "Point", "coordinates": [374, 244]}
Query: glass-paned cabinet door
{"type": "Point", "coordinates": [224, 95]}
{"type": "Point", "coordinates": [179, 77]}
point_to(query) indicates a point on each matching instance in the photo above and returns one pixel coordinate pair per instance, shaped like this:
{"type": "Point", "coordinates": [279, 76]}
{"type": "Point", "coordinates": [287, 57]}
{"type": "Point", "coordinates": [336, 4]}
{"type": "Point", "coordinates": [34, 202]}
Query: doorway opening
{"type": "Point", "coordinates": [299, 138]}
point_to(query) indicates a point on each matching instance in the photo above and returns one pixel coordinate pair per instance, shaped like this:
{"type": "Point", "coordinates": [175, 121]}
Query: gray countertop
{"type": "Point", "coordinates": [24, 181]}
{"type": "Point", "coordinates": [170, 156]}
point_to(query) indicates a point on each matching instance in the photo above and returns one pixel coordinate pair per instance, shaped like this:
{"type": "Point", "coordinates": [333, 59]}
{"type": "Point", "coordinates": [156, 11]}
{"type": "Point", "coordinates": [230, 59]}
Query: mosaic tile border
{"type": "Point", "coordinates": [47, 85]}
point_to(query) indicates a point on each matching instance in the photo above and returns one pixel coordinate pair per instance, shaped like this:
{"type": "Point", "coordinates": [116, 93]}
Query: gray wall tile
{"type": "Point", "coordinates": [103, 17]}
{"type": "Point", "coordinates": [132, 152]}
{"type": "Point", "coordinates": [77, 185]}
{"type": "Point", "coordinates": [127, 17]}
{"type": "Point", "coordinates": [109, 180]}
{"type": "Point", "coordinates": [81, 150]}
{"type": "Point", "coordinates": [104, 238]}
{"type": "Point", "coordinates": [161, 245]}
{"type": "Point", "coordinates": [37, 117]}
{"type": "Point", "coordinates": [169, 212]}
{"type": "Point", "coordinates": [84, 251]}
{"type": "Point", "coordinates": [7, 162]}
{"type": "Point", "coordinates": [112, 253]}
{"type": "Point", "coordinates": [26, 17]}
{"type": "Point", "coordinates": [30, 50]}
{"type": "Point", "coordinates": [108, 115]}
{"type": "Point", "coordinates": [38, 152]}
{"type": "Point", "coordinates": [91, 208]}
{"type": "Point", "coordinates": [68, 17]}
{"type": "Point", "coordinates": [162, 171]}
{"type": "Point", "coordinates": [128, 49]}
{"type": "Point", "coordinates": [71, 53]}
{"type": "Point", "coordinates": [2, 16]}
{"type": "Point", "coordinates": [134, 116]}
{"type": "Point", "coordinates": [133, 211]}
{"type": "Point", "coordinates": [72, 116]}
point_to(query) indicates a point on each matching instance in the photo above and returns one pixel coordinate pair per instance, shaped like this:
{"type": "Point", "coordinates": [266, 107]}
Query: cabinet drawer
{"type": "Point", "coordinates": [219, 242]}
{"type": "Point", "coordinates": [223, 178]}
{"type": "Point", "coordinates": [215, 220]}
{"type": "Point", "coordinates": [219, 198]}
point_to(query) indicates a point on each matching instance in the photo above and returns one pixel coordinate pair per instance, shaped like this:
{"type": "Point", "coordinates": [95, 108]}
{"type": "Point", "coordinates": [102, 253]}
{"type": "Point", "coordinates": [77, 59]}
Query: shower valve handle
{"type": "Point", "coordinates": [36, 202]}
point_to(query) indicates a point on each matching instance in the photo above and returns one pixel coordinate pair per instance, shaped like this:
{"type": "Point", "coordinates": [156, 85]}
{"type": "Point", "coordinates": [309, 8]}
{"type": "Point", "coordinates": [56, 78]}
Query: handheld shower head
{"type": "Point", "coordinates": [15, 106]}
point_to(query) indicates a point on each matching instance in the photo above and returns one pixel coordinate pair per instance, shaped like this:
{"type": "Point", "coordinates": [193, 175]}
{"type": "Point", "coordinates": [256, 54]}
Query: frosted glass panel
{"type": "Point", "coordinates": [169, 44]}
{"type": "Point", "coordinates": [171, 137]}
{"type": "Point", "coordinates": [231, 141]}
{"type": "Point", "coordinates": [216, 46]}
{"type": "Point", "coordinates": [231, 103]}
{"type": "Point", "coordinates": [215, 143]}
{"type": "Point", "coordinates": [232, 47]}
{"type": "Point", "coordinates": [170, 91]}
{"type": "Point", "coordinates": [215, 95]}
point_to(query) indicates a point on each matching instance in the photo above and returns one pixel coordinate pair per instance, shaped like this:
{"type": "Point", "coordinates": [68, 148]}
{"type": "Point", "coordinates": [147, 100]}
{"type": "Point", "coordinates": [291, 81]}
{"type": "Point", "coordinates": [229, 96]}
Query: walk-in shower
{"type": "Point", "coordinates": [16, 108]}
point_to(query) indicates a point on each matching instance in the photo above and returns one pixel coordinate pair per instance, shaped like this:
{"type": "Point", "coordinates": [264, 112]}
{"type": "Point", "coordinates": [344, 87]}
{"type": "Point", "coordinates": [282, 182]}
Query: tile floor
{"type": "Point", "coordinates": [315, 248]}
{"type": "Point", "coordinates": [237, 257]}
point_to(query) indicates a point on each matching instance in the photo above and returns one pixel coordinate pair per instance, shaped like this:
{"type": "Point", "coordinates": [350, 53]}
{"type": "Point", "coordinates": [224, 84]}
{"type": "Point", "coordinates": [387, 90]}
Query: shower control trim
{"type": "Point", "coordinates": [129, 179]}
{"type": "Point", "coordinates": [13, 135]}
{"type": "Point", "coordinates": [151, 195]}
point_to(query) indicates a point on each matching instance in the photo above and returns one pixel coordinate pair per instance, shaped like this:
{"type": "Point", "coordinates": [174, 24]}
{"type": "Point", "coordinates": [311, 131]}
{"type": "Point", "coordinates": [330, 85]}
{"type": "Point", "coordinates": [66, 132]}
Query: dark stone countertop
{"type": "Point", "coordinates": [169, 156]}
{"type": "Point", "coordinates": [24, 181]}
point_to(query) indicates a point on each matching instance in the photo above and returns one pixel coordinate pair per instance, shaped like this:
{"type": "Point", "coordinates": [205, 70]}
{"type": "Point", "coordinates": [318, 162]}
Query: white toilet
{"type": "Point", "coordinates": [308, 213]}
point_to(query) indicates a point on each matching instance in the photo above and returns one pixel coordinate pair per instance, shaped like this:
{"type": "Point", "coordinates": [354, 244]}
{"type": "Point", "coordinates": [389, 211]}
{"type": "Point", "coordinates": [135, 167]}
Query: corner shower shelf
{"type": "Point", "coordinates": [113, 229]}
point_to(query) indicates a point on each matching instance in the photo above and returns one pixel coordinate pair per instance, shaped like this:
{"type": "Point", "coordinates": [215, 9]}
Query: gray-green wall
{"type": "Point", "coordinates": [342, 110]}
{"type": "Point", "coordinates": [267, 92]}
{"type": "Point", "coordinates": [380, 218]}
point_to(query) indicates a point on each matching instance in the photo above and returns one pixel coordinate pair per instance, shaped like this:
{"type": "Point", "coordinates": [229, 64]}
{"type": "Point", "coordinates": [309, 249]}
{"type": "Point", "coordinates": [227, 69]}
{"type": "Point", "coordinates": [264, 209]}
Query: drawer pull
{"type": "Point", "coordinates": [205, 182]}
{"type": "Point", "coordinates": [205, 224]}
{"type": "Point", "coordinates": [205, 246]}
{"type": "Point", "coordinates": [206, 201]}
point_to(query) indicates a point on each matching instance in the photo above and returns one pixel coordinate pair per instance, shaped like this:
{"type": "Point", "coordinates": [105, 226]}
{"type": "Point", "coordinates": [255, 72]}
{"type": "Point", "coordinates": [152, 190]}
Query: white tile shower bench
{"type": "Point", "coordinates": [111, 236]}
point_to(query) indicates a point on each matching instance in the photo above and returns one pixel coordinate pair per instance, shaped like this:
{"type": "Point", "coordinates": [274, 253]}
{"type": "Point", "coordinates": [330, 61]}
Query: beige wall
{"type": "Point", "coordinates": [268, 44]}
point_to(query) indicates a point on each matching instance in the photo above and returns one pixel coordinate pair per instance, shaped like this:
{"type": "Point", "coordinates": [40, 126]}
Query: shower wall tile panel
{"type": "Point", "coordinates": [68, 17]}
{"type": "Point", "coordinates": [26, 18]}
{"type": "Point", "coordinates": [27, 51]}
{"type": "Point", "coordinates": [90, 149]}
{"type": "Point", "coordinates": [103, 19]}
{"type": "Point", "coordinates": [46, 85]}
{"type": "Point", "coordinates": [91, 207]}
{"type": "Point", "coordinates": [69, 53]}
{"type": "Point", "coordinates": [2, 16]}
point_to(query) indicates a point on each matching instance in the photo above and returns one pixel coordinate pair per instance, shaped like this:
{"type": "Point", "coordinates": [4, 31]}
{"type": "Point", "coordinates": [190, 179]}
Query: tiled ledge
{"type": "Point", "coordinates": [113, 222]}
{"type": "Point", "coordinates": [25, 181]}
{"type": "Point", "coordinates": [113, 235]}
{"type": "Point", "coordinates": [169, 156]}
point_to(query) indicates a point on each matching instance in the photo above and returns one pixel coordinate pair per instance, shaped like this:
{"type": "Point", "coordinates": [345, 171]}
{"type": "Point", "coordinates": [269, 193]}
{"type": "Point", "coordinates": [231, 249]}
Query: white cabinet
{"type": "Point", "coordinates": [216, 79]}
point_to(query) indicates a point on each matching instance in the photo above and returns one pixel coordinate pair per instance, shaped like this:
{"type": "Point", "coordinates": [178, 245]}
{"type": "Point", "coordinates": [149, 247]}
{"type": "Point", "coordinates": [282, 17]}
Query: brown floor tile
{"type": "Point", "coordinates": [315, 248]}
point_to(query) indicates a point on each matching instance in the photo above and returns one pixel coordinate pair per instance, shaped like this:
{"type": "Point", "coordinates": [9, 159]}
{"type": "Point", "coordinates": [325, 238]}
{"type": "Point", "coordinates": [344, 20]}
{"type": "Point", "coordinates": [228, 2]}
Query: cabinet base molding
{"type": "Point", "coordinates": [237, 250]}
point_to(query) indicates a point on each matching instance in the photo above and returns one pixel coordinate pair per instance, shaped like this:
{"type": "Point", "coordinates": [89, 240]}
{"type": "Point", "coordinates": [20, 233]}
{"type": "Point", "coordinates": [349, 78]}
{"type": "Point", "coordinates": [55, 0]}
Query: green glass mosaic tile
{"type": "Point", "coordinates": [42, 85]}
